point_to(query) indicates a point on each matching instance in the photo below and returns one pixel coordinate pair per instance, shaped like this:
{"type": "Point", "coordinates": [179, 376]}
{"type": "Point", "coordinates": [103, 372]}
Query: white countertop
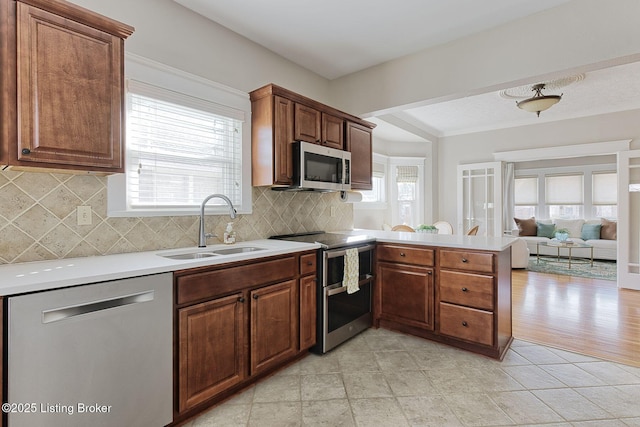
{"type": "Point", "coordinates": [481, 243]}
{"type": "Point", "coordinates": [44, 275]}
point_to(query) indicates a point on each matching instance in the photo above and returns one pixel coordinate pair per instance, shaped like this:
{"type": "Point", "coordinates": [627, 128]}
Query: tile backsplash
{"type": "Point", "coordinates": [38, 219]}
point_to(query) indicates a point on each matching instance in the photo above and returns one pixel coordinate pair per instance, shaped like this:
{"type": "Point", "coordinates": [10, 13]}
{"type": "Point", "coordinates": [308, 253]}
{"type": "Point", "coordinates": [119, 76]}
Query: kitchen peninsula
{"type": "Point", "coordinates": [455, 289]}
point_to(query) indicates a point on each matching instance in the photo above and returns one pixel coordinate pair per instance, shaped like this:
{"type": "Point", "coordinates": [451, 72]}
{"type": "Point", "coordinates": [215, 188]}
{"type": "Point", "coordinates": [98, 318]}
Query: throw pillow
{"type": "Point", "coordinates": [609, 230]}
{"type": "Point", "coordinates": [546, 230]}
{"type": "Point", "coordinates": [573, 225]}
{"type": "Point", "coordinates": [526, 227]}
{"type": "Point", "coordinates": [591, 231]}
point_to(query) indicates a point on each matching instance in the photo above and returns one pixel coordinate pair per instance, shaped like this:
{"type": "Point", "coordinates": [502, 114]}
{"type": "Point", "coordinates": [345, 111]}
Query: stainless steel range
{"type": "Point", "coordinates": [341, 315]}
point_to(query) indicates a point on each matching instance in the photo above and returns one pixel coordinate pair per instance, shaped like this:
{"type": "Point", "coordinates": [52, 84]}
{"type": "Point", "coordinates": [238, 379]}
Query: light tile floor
{"type": "Point", "coordinates": [383, 378]}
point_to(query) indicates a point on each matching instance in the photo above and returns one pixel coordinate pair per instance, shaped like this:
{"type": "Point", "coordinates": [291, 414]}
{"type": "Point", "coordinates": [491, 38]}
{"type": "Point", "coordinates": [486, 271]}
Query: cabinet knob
{"type": "Point", "coordinates": [464, 260]}
{"type": "Point", "coordinates": [255, 296]}
{"type": "Point", "coordinates": [429, 273]}
{"type": "Point", "coordinates": [26, 151]}
{"type": "Point", "coordinates": [310, 263]}
{"type": "Point", "coordinates": [464, 289]}
{"type": "Point", "coordinates": [464, 324]}
{"type": "Point", "coordinates": [241, 299]}
{"type": "Point", "coordinates": [402, 254]}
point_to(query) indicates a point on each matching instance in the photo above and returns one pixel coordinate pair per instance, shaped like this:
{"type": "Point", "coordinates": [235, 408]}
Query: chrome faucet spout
{"type": "Point", "coordinates": [202, 240]}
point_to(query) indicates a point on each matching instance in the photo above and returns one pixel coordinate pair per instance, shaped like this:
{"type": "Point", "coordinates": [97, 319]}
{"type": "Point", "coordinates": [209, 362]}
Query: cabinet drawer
{"type": "Point", "coordinates": [308, 264]}
{"type": "Point", "coordinates": [406, 254]}
{"type": "Point", "coordinates": [467, 260]}
{"type": "Point", "coordinates": [466, 323]}
{"type": "Point", "coordinates": [472, 290]}
{"type": "Point", "coordinates": [208, 284]}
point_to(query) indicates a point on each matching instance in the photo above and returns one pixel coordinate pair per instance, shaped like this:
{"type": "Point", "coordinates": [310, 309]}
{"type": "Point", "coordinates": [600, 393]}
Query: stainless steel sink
{"type": "Point", "coordinates": [208, 253]}
{"type": "Point", "coordinates": [237, 250]}
{"type": "Point", "coordinates": [191, 255]}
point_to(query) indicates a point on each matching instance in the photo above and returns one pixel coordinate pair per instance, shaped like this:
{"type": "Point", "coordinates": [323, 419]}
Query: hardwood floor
{"type": "Point", "coordinates": [587, 316]}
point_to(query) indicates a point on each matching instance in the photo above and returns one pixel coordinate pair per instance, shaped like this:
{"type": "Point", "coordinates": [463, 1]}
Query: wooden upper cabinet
{"type": "Point", "coordinates": [360, 144]}
{"type": "Point", "coordinates": [332, 131]}
{"type": "Point", "coordinates": [317, 127]}
{"type": "Point", "coordinates": [279, 117]}
{"type": "Point", "coordinates": [307, 124]}
{"type": "Point", "coordinates": [66, 88]}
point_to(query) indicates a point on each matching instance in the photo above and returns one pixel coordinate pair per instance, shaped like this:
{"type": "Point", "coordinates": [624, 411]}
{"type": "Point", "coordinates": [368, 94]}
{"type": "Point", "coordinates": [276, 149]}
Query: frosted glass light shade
{"type": "Point", "coordinates": [539, 102]}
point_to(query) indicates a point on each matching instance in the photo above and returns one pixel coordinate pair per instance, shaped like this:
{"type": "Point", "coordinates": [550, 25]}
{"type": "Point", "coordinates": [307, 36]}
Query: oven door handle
{"type": "Point", "coordinates": [343, 252]}
{"type": "Point", "coordinates": [341, 289]}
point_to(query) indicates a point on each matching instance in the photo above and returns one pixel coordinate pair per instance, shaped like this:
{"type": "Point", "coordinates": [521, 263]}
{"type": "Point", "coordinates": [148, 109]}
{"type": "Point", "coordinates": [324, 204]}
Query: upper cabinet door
{"type": "Point", "coordinates": [69, 93]}
{"type": "Point", "coordinates": [307, 124]}
{"type": "Point", "coordinates": [332, 131]}
{"type": "Point", "coordinates": [359, 143]}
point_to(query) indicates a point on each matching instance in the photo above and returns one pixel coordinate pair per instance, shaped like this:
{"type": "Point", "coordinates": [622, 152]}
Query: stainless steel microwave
{"type": "Point", "coordinates": [320, 168]}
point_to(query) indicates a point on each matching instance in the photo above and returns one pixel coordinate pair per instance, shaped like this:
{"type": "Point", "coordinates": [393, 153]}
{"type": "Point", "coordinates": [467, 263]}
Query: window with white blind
{"type": "Point", "coordinates": [525, 196]}
{"type": "Point", "coordinates": [408, 209]}
{"type": "Point", "coordinates": [180, 148]}
{"type": "Point", "coordinates": [605, 195]}
{"type": "Point", "coordinates": [377, 192]}
{"type": "Point", "coordinates": [564, 196]}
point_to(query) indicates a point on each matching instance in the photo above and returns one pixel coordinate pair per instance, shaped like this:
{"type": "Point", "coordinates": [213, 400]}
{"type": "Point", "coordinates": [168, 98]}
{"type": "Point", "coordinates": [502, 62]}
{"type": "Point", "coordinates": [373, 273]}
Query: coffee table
{"type": "Point", "coordinates": [569, 247]}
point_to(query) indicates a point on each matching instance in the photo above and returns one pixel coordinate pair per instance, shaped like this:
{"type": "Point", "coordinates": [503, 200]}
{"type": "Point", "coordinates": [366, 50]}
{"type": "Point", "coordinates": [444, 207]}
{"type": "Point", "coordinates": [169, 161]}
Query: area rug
{"type": "Point", "coordinates": [605, 270]}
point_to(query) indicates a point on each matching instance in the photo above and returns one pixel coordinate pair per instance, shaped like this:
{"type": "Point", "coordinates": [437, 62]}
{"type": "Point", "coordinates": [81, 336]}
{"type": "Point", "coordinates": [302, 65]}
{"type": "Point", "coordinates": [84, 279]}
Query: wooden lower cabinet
{"type": "Point", "coordinates": [308, 311]}
{"type": "Point", "coordinates": [461, 297]}
{"type": "Point", "coordinates": [212, 351]}
{"type": "Point", "coordinates": [238, 322]}
{"type": "Point", "coordinates": [274, 326]}
{"type": "Point", "coordinates": [406, 294]}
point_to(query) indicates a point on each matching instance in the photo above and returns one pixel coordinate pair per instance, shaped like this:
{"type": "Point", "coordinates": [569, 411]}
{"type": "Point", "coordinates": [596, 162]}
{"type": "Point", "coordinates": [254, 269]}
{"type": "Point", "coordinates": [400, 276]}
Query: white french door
{"type": "Point", "coordinates": [480, 198]}
{"type": "Point", "coordinates": [629, 219]}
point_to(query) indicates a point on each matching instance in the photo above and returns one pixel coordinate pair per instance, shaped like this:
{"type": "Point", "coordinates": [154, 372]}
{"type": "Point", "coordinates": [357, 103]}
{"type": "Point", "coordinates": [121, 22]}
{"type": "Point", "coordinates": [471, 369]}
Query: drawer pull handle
{"type": "Point", "coordinates": [465, 324]}
{"type": "Point", "coordinates": [464, 260]}
{"type": "Point", "coordinates": [310, 263]}
{"type": "Point", "coordinates": [465, 290]}
{"type": "Point", "coordinates": [402, 254]}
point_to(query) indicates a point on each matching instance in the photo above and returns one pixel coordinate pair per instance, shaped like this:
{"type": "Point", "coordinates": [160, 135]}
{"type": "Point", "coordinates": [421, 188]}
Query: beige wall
{"type": "Point", "coordinates": [38, 219]}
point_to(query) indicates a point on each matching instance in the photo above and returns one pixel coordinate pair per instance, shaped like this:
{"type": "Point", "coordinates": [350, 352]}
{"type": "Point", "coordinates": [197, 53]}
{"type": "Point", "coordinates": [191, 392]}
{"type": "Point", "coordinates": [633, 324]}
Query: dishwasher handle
{"type": "Point", "coordinates": [57, 314]}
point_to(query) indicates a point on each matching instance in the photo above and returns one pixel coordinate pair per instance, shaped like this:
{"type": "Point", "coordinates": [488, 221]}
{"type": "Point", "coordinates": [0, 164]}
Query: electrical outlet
{"type": "Point", "coordinates": [84, 215]}
{"type": "Point", "coordinates": [334, 211]}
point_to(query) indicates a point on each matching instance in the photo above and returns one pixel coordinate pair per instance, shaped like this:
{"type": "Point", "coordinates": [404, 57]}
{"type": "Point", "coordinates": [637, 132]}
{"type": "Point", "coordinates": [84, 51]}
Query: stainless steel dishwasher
{"type": "Point", "coordinates": [92, 355]}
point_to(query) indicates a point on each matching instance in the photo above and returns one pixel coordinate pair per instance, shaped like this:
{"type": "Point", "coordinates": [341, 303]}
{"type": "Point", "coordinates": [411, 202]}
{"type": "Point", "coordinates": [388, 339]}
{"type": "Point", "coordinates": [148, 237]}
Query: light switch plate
{"type": "Point", "coordinates": [84, 215]}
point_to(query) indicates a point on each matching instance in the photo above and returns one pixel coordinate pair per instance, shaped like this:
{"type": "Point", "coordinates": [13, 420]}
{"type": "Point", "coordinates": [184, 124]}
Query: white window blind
{"type": "Point", "coordinates": [605, 188]}
{"type": "Point", "coordinates": [407, 174]}
{"type": "Point", "coordinates": [180, 149]}
{"type": "Point", "coordinates": [564, 189]}
{"type": "Point", "coordinates": [526, 191]}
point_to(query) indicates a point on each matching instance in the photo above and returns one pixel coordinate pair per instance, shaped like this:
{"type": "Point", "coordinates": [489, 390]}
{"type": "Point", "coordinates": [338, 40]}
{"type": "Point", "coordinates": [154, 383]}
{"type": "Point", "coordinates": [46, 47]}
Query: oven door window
{"type": "Point", "coordinates": [344, 308]}
{"type": "Point", "coordinates": [335, 267]}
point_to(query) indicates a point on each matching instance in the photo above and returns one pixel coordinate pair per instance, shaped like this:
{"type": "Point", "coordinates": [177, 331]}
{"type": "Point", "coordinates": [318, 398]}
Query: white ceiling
{"type": "Point", "coordinates": [338, 37]}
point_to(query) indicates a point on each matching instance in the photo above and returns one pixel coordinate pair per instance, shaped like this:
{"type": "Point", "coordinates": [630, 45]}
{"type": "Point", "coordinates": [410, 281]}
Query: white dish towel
{"type": "Point", "coordinates": [351, 270]}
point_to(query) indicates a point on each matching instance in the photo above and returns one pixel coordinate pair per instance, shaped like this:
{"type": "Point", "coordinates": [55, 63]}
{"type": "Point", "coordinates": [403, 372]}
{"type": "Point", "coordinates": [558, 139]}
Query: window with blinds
{"type": "Point", "coordinates": [525, 197]}
{"type": "Point", "coordinates": [564, 196]}
{"type": "Point", "coordinates": [180, 149]}
{"type": "Point", "coordinates": [377, 193]}
{"type": "Point", "coordinates": [605, 195]}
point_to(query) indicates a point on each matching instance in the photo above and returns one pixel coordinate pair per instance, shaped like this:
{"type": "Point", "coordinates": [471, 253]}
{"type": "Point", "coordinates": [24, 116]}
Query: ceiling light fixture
{"type": "Point", "coordinates": [538, 102]}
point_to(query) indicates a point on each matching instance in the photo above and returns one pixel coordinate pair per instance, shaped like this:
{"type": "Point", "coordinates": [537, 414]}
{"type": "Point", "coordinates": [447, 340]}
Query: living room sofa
{"type": "Point", "coordinates": [599, 233]}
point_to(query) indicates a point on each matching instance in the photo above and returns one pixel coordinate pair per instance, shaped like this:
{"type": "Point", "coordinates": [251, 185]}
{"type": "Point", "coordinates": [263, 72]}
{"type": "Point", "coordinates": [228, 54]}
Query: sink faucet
{"type": "Point", "coordinates": [202, 241]}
